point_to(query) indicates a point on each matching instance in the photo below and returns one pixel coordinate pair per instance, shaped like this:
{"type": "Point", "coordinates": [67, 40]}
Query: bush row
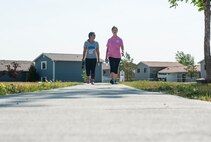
{"type": "Point", "coordinates": [188, 90]}
{"type": "Point", "coordinates": [12, 88]}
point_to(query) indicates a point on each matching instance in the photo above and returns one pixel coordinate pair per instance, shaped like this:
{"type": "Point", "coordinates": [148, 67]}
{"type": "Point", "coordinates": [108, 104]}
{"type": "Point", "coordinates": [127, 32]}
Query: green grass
{"type": "Point", "coordinates": [19, 87]}
{"type": "Point", "coordinates": [187, 90]}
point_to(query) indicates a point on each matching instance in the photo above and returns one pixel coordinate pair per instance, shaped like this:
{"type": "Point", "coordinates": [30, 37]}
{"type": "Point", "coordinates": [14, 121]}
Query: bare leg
{"type": "Point", "coordinates": [112, 75]}
{"type": "Point", "coordinates": [115, 76]}
{"type": "Point", "coordinates": [88, 79]}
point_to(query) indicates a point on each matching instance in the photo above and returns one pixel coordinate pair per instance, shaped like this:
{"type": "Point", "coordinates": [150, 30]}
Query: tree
{"type": "Point", "coordinates": [202, 5]}
{"type": "Point", "coordinates": [184, 59]}
{"type": "Point", "coordinates": [128, 67]}
{"type": "Point", "coordinates": [188, 61]}
{"type": "Point", "coordinates": [32, 75]}
{"type": "Point", "coordinates": [12, 72]}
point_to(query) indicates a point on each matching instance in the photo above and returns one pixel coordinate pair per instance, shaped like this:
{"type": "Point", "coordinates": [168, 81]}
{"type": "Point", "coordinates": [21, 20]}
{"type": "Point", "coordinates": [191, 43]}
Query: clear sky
{"type": "Point", "coordinates": [151, 31]}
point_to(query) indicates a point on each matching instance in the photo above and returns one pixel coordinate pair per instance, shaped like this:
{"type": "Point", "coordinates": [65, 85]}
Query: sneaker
{"type": "Point", "coordinates": [111, 81]}
{"type": "Point", "coordinates": [92, 82]}
{"type": "Point", "coordinates": [88, 81]}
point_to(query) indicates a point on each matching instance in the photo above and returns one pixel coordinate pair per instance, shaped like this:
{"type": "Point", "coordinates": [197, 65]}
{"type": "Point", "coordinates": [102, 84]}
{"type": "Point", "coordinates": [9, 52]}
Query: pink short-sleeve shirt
{"type": "Point", "coordinates": [114, 45]}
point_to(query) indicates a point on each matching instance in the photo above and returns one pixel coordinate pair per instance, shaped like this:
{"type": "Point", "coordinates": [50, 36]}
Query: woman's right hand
{"type": "Point", "coordinates": [106, 60]}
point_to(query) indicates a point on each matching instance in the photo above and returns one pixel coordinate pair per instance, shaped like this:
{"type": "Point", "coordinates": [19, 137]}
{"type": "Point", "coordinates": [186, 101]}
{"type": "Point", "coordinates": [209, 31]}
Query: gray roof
{"type": "Point", "coordinates": [24, 65]}
{"type": "Point", "coordinates": [63, 57]}
{"type": "Point", "coordinates": [161, 64]}
{"type": "Point", "coordinates": [201, 61]}
{"type": "Point", "coordinates": [179, 69]}
{"type": "Point", "coordinates": [174, 70]}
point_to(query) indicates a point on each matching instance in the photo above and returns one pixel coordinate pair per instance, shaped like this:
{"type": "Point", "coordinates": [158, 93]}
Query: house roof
{"type": "Point", "coordinates": [62, 57]}
{"type": "Point", "coordinates": [178, 69]}
{"type": "Point", "coordinates": [201, 61]}
{"type": "Point", "coordinates": [160, 64]}
{"type": "Point", "coordinates": [24, 65]}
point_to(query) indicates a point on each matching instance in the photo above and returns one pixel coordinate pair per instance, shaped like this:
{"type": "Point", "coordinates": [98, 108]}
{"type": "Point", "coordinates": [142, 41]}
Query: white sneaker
{"type": "Point", "coordinates": [92, 82]}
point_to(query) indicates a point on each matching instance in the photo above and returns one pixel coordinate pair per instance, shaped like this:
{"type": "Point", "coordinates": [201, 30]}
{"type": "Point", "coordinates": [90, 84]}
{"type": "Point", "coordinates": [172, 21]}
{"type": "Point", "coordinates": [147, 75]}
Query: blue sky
{"type": "Point", "coordinates": [151, 31]}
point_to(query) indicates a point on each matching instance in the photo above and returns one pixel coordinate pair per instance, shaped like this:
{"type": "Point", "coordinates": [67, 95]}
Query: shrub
{"type": "Point", "coordinates": [188, 90]}
{"type": "Point", "coordinates": [165, 87]}
{"type": "Point", "coordinates": [3, 89]}
{"type": "Point", "coordinates": [11, 88]}
{"type": "Point", "coordinates": [32, 75]}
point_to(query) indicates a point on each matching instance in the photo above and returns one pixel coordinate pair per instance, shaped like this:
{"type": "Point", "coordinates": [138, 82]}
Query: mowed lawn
{"type": "Point", "coordinates": [187, 90]}
{"type": "Point", "coordinates": [19, 87]}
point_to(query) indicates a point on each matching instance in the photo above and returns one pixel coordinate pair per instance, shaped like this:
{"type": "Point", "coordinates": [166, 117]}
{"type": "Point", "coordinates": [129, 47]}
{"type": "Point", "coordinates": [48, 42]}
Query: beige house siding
{"type": "Point", "coordinates": [144, 73]}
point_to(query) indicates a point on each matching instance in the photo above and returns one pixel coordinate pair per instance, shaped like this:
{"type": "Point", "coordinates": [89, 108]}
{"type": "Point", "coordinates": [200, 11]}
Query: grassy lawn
{"type": "Point", "coordinates": [187, 90]}
{"type": "Point", "coordinates": [19, 87]}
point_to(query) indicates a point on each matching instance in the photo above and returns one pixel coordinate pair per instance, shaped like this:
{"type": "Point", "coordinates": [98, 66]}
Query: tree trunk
{"type": "Point", "coordinates": [207, 57]}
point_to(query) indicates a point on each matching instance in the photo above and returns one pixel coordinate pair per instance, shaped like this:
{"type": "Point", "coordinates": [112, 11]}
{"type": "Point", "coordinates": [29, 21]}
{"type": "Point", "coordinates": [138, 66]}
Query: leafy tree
{"type": "Point", "coordinates": [192, 71]}
{"type": "Point", "coordinates": [84, 75]}
{"type": "Point", "coordinates": [128, 67]}
{"type": "Point", "coordinates": [202, 5]}
{"type": "Point", "coordinates": [184, 59]}
{"type": "Point", "coordinates": [32, 75]}
{"type": "Point", "coordinates": [188, 61]}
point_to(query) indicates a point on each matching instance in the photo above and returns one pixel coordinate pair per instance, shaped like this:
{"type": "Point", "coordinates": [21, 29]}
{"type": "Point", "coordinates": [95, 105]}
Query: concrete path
{"type": "Point", "coordinates": [103, 113]}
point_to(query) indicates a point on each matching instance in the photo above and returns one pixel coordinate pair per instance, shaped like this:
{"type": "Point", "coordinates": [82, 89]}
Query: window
{"type": "Point", "coordinates": [138, 71]}
{"type": "Point", "coordinates": [104, 72]}
{"type": "Point", "coordinates": [145, 70]}
{"type": "Point", "coordinates": [43, 79]}
{"type": "Point", "coordinates": [43, 65]}
{"type": "Point", "coordinates": [204, 67]}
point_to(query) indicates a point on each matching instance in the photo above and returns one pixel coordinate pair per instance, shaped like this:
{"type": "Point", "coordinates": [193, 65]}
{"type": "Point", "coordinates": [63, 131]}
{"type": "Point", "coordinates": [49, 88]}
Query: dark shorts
{"type": "Point", "coordinates": [114, 64]}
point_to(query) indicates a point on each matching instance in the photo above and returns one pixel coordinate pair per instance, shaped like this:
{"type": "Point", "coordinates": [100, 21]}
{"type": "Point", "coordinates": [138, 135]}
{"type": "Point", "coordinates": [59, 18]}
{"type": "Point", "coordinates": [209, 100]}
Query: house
{"type": "Point", "coordinates": [21, 71]}
{"type": "Point", "coordinates": [148, 70]}
{"type": "Point", "coordinates": [177, 74]}
{"type": "Point", "coordinates": [203, 69]}
{"type": "Point", "coordinates": [63, 67]}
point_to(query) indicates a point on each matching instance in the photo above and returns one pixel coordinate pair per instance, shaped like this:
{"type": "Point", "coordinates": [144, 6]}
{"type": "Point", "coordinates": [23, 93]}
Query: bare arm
{"type": "Point", "coordinates": [122, 47]}
{"type": "Point", "coordinates": [106, 58]}
{"type": "Point", "coordinates": [84, 52]}
{"type": "Point", "coordinates": [98, 54]}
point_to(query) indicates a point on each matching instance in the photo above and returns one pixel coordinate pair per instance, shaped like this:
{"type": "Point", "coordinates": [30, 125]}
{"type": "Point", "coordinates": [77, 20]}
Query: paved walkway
{"type": "Point", "coordinates": [103, 113]}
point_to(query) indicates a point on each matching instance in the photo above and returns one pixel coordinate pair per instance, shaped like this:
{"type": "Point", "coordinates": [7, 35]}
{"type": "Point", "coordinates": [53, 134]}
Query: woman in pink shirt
{"type": "Point", "coordinates": [115, 49]}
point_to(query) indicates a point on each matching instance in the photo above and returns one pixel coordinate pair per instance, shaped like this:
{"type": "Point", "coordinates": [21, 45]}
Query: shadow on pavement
{"type": "Point", "coordinates": [77, 92]}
